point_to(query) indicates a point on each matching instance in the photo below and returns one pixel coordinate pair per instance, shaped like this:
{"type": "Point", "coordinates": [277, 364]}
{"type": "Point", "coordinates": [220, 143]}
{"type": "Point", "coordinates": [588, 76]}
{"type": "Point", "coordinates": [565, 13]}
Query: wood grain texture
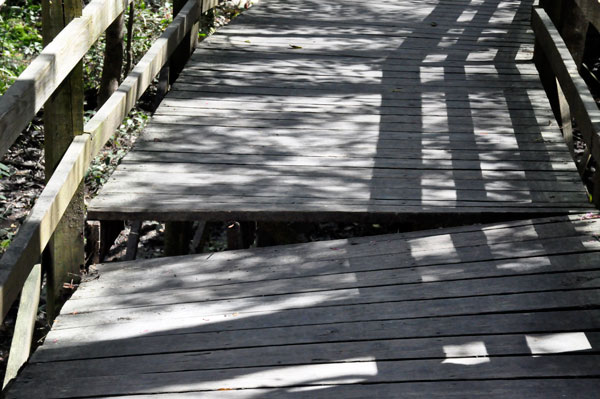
{"type": "Point", "coordinates": [302, 112]}
{"type": "Point", "coordinates": [439, 310]}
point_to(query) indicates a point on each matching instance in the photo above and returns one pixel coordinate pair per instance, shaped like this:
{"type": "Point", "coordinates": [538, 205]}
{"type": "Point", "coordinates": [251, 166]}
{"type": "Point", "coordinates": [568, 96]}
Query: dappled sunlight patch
{"type": "Point", "coordinates": [431, 74]}
{"type": "Point", "coordinates": [440, 274]}
{"type": "Point", "coordinates": [544, 344]}
{"type": "Point", "coordinates": [468, 354]}
{"type": "Point", "coordinates": [322, 374]}
{"type": "Point", "coordinates": [521, 265]}
{"type": "Point", "coordinates": [467, 16]}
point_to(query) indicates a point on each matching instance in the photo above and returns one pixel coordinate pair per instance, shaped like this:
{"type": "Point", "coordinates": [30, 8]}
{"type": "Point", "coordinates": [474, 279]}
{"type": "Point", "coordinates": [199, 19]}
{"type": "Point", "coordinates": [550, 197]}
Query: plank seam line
{"type": "Point", "coordinates": [328, 306]}
{"type": "Point", "coordinates": [488, 313]}
{"type": "Point", "coordinates": [324, 342]}
{"type": "Point", "coordinates": [353, 287]}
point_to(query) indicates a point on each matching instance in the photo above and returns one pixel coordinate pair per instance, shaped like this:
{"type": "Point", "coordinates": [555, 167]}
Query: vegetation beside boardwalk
{"type": "Point", "coordinates": [22, 168]}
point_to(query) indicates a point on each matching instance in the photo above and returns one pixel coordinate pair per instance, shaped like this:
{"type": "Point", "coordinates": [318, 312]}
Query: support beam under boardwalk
{"type": "Point", "coordinates": [501, 311]}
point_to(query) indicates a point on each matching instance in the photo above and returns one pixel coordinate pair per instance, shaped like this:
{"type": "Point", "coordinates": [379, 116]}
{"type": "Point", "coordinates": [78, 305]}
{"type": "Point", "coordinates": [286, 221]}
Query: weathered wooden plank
{"type": "Point", "coordinates": [388, 114]}
{"type": "Point", "coordinates": [67, 344]}
{"type": "Point", "coordinates": [360, 294]}
{"type": "Point", "coordinates": [329, 308]}
{"type": "Point", "coordinates": [385, 85]}
{"type": "Point", "coordinates": [509, 367]}
{"type": "Point", "coordinates": [348, 192]}
{"type": "Point", "coordinates": [375, 93]}
{"type": "Point", "coordinates": [216, 286]}
{"type": "Point", "coordinates": [246, 105]}
{"type": "Point", "coordinates": [253, 25]}
{"type": "Point", "coordinates": [296, 160]}
{"type": "Point", "coordinates": [493, 389]}
{"type": "Point", "coordinates": [372, 152]}
{"type": "Point", "coordinates": [361, 173]}
{"type": "Point", "coordinates": [534, 100]}
{"type": "Point", "coordinates": [181, 207]}
{"type": "Point", "coordinates": [338, 44]}
{"type": "Point", "coordinates": [339, 352]}
{"type": "Point", "coordinates": [354, 182]}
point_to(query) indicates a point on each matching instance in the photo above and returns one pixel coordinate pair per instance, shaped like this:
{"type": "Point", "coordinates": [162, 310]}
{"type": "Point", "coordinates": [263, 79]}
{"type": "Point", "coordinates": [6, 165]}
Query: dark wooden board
{"type": "Point", "coordinates": [472, 306]}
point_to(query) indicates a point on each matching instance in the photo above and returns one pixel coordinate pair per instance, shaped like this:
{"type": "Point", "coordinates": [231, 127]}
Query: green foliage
{"type": "Point", "coordinates": [20, 27]}
{"type": "Point", "coordinates": [5, 171]}
{"type": "Point", "coordinates": [149, 23]}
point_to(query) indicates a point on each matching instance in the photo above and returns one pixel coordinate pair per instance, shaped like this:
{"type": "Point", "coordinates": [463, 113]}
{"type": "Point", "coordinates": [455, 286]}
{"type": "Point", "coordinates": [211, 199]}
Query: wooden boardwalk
{"type": "Point", "coordinates": [347, 110]}
{"type": "Point", "coordinates": [501, 311]}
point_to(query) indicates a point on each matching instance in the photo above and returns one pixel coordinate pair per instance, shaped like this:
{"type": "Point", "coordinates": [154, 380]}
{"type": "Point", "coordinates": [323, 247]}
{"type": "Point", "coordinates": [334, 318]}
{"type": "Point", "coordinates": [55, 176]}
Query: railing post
{"type": "Point", "coordinates": [185, 49]}
{"type": "Point", "coordinates": [63, 119]}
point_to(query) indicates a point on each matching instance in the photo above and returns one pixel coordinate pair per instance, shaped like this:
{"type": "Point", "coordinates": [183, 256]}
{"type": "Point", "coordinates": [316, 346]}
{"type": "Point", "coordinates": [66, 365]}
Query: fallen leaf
{"type": "Point", "coordinates": [295, 47]}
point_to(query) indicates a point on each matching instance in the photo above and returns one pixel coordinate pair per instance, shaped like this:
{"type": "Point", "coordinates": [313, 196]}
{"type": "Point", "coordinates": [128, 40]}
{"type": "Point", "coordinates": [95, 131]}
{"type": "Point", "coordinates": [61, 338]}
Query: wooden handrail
{"type": "Point", "coordinates": [576, 91]}
{"type": "Point", "coordinates": [34, 86]}
{"type": "Point", "coordinates": [38, 227]}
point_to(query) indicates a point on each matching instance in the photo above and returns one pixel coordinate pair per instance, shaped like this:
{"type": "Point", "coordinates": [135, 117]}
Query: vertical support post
{"type": "Point", "coordinates": [63, 119]}
{"type": "Point", "coordinates": [186, 47]}
{"type": "Point", "coordinates": [547, 78]}
{"type": "Point", "coordinates": [177, 238]}
{"type": "Point", "coordinates": [565, 119]}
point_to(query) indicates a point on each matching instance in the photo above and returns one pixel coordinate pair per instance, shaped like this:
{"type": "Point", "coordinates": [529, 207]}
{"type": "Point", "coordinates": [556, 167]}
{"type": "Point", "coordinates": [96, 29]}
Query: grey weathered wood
{"type": "Point", "coordinates": [582, 105]}
{"type": "Point", "coordinates": [133, 240]}
{"type": "Point", "coordinates": [513, 302]}
{"type": "Point", "coordinates": [382, 291]}
{"type": "Point", "coordinates": [283, 377]}
{"type": "Point", "coordinates": [63, 120]}
{"type": "Point", "coordinates": [33, 236]}
{"type": "Point", "coordinates": [498, 389]}
{"type": "Point", "coordinates": [200, 336]}
{"type": "Point", "coordinates": [394, 349]}
{"type": "Point", "coordinates": [20, 347]}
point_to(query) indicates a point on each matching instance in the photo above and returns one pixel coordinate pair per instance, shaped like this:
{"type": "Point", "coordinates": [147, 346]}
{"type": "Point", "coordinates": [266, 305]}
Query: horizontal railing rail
{"type": "Point", "coordinates": [558, 62]}
{"type": "Point", "coordinates": [37, 83]}
{"type": "Point", "coordinates": [27, 95]}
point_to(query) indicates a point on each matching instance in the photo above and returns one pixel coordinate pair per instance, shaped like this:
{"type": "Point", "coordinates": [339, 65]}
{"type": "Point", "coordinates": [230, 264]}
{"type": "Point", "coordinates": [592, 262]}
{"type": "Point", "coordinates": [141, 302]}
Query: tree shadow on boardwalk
{"type": "Point", "coordinates": [484, 311]}
{"type": "Point", "coordinates": [506, 311]}
{"type": "Point", "coordinates": [473, 95]}
{"type": "Point", "coordinates": [369, 119]}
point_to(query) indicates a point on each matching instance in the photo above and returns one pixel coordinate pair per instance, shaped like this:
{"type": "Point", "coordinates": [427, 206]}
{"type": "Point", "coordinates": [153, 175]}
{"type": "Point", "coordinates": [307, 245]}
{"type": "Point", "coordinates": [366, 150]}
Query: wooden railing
{"type": "Point", "coordinates": [560, 28]}
{"type": "Point", "coordinates": [26, 97]}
